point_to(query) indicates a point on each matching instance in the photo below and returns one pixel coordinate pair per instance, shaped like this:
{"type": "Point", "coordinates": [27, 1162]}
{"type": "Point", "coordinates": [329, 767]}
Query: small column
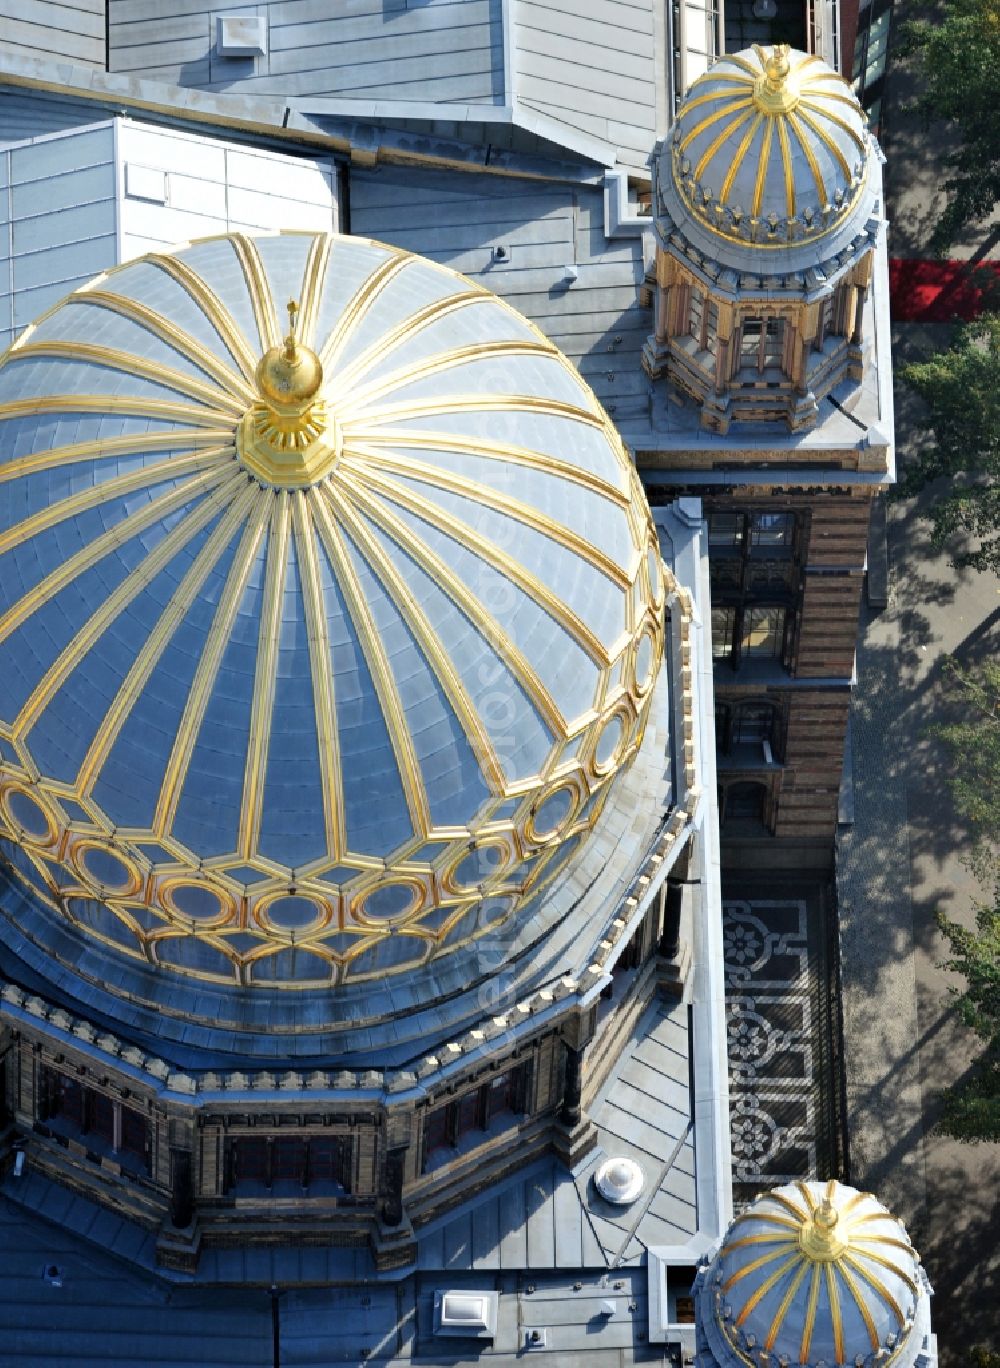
{"type": "Point", "coordinates": [656, 352]}
{"type": "Point", "coordinates": [804, 409]}
{"type": "Point", "coordinates": [860, 281]}
{"type": "Point", "coordinates": [574, 1134]}
{"type": "Point", "coordinates": [670, 934]}
{"type": "Point", "coordinates": [392, 1202]}
{"type": "Point", "coordinates": [674, 949]}
{"type": "Point", "coordinates": [715, 410]}
{"type": "Point", "coordinates": [570, 1112]}
{"type": "Point", "coordinates": [181, 1189]}
{"type": "Point", "coordinates": [178, 1244]}
{"type": "Point", "coordinates": [393, 1242]}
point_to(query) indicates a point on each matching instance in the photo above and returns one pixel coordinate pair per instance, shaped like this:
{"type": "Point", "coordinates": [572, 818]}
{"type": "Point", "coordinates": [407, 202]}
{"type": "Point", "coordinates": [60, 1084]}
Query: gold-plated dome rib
{"type": "Point", "coordinates": [223, 495]}
{"type": "Point", "coordinates": [819, 1249]}
{"type": "Point", "coordinates": [778, 104]}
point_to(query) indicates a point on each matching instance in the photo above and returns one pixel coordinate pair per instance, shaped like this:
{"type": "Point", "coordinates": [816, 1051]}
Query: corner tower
{"type": "Point", "coordinates": [771, 400]}
{"type": "Point", "coordinates": [767, 217]}
{"type": "Point", "coordinates": [814, 1273]}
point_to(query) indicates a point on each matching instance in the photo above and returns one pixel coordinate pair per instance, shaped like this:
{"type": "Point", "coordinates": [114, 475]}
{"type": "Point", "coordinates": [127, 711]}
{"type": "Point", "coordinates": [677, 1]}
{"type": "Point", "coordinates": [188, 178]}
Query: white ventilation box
{"type": "Point", "coordinates": [466, 1315]}
{"type": "Point", "coordinates": [241, 35]}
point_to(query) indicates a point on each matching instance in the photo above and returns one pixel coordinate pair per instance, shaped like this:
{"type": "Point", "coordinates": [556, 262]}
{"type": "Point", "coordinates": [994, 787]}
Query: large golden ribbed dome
{"type": "Point", "coordinates": [312, 668]}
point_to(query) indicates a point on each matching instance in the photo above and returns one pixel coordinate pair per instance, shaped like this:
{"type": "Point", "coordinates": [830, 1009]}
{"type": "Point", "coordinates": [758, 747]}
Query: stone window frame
{"type": "Point", "coordinates": [462, 1123]}
{"type": "Point", "coordinates": [731, 717]}
{"type": "Point", "coordinates": [115, 1143]}
{"type": "Point", "coordinates": [342, 1184]}
{"type": "Point", "coordinates": [702, 318]}
{"type": "Point", "coordinates": [753, 571]}
{"type": "Point", "coordinates": [769, 358]}
{"type": "Point", "coordinates": [767, 786]}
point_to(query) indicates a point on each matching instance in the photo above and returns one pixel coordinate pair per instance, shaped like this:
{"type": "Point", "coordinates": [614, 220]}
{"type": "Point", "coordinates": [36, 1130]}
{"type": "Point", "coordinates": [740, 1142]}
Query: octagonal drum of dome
{"type": "Point", "coordinates": [307, 660]}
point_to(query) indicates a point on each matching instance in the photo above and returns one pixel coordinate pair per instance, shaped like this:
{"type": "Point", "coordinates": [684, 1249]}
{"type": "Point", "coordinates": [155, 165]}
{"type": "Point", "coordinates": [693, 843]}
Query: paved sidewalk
{"type": "Point", "coordinates": [784, 1064]}
{"type": "Point", "coordinates": [900, 861]}
{"type": "Point", "coordinates": [902, 858]}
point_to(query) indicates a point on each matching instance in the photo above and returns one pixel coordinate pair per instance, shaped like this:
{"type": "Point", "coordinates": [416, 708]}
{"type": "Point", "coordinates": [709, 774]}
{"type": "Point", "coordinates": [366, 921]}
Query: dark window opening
{"type": "Point", "coordinates": [763, 632]}
{"type": "Point", "coordinates": [744, 809]}
{"type": "Point", "coordinates": [467, 1121]}
{"type": "Point", "coordinates": [723, 633]}
{"type": "Point", "coordinates": [748, 632]}
{"type": "Point", "coordinates": [100, 1113]}
{"type": "Point", "coordinates": [826, 320]}
{"type": "Point", "coordinates": [135, 1133]}
{"type": "Point", "coordinates": [288, 1165]}
{"type": "Point", "coordinates": [726, 531]}
{"type": "Point", "coordinates": [754, 585]}
{"type": "Point", "coordinates": [70, 1110]}
{"type": "Point", "coordinates": [749, 734]}
{"type": "Point", "coordinates": [762, 345]}
{"type": "Point", "coordinates": [871, 46]}
{"type": "Point", "coordinates": [755, 536]}
{"type": "Point", "coordinates": [771, 532]}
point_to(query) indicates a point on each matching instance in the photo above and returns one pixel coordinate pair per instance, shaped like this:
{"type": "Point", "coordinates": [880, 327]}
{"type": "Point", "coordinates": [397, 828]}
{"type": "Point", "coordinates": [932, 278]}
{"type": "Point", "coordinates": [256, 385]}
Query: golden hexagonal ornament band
{"type": "Point", "coordinates": [289, 418]}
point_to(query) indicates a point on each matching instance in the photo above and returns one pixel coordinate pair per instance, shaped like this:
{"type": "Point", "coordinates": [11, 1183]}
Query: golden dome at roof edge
{"type": "Point", "coordinates": [250, 727]}
{"type": "Point", "coordinates": [770, 147]}
{"type": "Point", "coordinates": [815, 1272]}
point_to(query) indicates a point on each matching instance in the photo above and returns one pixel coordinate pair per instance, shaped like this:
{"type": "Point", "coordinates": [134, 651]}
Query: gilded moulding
{"type": "Point", "coordinates": [229, 485]}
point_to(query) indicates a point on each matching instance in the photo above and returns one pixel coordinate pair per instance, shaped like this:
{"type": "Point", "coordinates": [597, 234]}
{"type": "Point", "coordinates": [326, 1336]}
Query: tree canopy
{"type": "Point", "coordinates": [972, 1105]}
{"type": "Point", "coordinates": [973, 744]}
{"type": "Point", "coordinates": [961, 388]}
{"type": "Point", "coordinates": [959, 59]}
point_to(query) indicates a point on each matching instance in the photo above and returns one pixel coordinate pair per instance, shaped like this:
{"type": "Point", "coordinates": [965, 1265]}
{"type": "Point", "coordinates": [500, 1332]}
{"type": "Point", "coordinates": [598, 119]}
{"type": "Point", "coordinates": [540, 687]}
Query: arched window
{"type": "Point", "coordinates": [696, 313]}
{"type": "Point", "coordinates": [826, 321]}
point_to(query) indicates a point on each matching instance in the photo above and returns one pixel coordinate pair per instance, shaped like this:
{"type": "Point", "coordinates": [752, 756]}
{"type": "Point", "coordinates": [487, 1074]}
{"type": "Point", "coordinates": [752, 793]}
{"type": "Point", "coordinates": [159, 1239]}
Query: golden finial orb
{"type": "Point", "coordinates": [291, 374]}
{"type": "Point", "coordinates": [820, 1239]}
{"type": "Point", "coordinates": [289, 438]}
{"type": "Point", "coordinates": [776, 91]}
{"type": "Point", "coordinates": [777, 67]}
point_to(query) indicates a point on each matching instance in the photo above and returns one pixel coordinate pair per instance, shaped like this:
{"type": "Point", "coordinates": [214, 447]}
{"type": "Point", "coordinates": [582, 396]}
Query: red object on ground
{"type": "Point", "coordinates": [940, 291]}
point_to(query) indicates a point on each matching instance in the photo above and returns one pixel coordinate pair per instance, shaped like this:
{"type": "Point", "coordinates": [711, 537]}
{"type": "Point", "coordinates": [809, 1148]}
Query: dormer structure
{"type": "Point", "coordinates": [767, 196]}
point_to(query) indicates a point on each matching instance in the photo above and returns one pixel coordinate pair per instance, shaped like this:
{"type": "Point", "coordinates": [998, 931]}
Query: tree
{"type": "Point", "coordinates": [972, 1106]}
{"type": "Point", "coordinates": [959, 63]}
{"type": "Point", "coordinates": [973, 744]}
{"type": "Point", "coordinates": [961, 388]}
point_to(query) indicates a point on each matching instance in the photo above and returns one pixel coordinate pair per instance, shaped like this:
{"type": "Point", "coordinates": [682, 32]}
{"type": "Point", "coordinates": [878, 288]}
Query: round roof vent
{"type": "Point", "coordinates": [619, 1180]}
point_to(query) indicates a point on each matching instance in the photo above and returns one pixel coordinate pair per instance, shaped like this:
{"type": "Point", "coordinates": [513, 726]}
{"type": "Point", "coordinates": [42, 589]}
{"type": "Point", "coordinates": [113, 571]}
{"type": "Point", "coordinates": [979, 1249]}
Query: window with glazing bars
{"type": "Point", "coordinates": [308, 1162]}
{"type": "Point", "coordinates": [762, 344]}
{"type": "Point", "coordinates": [458, 1121]}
